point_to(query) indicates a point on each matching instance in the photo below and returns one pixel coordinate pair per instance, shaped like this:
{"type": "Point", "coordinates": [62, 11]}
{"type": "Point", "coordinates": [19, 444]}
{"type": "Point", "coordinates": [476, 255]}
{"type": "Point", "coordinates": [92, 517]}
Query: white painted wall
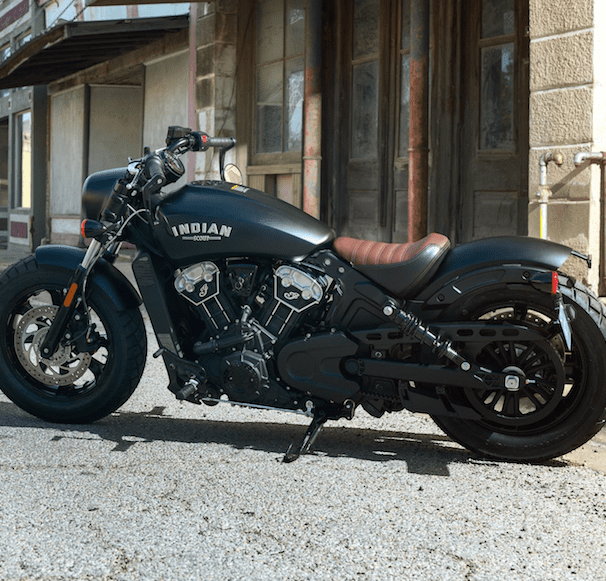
{"type": "Point", "coordinates": [116, 117]}
{"type": "Point", "coordinates": [66, 151]}
{"type": "Point", "coordinates": [122, 120]}
{"type": "Point", "coordinates": [166, 83]}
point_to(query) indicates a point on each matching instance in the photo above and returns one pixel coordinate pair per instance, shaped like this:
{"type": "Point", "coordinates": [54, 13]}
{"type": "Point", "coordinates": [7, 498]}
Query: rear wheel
{"type": "Point", "coordinates": [97, 364]}
{"type": "Point", "coordinates": [562, 401]}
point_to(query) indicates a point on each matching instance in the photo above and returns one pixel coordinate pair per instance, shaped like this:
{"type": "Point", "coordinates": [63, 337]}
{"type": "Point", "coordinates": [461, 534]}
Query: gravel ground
{"type": "Point", "coordinates": [164, 490]}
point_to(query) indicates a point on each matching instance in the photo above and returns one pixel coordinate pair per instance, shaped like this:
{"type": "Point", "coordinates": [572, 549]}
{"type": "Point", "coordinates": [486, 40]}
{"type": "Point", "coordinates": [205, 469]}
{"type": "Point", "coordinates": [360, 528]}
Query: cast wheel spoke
{"type": "Point", "coordinates": [496, 354]}
{"type": "Point", "coordinates": [538, 364]}
{"type": "Point", "coordinates": [511, 407]}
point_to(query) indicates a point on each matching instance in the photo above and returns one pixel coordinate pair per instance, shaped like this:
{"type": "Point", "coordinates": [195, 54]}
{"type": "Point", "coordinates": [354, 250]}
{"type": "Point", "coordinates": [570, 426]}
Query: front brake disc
{"type": "Point", "coordinates": [64, 367]}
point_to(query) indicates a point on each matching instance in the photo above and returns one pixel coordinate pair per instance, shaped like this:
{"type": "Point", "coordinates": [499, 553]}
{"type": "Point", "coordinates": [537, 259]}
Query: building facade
{"type": "Point", "coordinates": [384, 118]}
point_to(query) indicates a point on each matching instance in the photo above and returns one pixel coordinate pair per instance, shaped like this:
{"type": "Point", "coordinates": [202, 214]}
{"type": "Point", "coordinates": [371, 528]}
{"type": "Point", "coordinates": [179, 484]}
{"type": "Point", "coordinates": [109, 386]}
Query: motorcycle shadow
{"type": "Point", "coordinates": [423, 453]}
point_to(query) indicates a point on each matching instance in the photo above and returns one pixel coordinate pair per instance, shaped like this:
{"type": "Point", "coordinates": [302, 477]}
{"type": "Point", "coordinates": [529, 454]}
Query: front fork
{"type": "Point", "coordinates": [75, 289]}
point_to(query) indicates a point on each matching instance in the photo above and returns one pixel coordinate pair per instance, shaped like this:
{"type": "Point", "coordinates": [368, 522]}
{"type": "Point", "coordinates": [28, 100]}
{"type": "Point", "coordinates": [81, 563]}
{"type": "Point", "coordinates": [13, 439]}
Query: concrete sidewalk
{"type": "Point", "coordinates": [591, 455]}
{"type": "Point", "coordinates": [8, 257]}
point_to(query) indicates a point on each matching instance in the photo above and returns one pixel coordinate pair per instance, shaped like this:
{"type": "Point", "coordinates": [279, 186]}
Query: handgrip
{"type": "Point", "coordinates": [223, 142]}
{"type": "Point", "coordinates": [204, 142]}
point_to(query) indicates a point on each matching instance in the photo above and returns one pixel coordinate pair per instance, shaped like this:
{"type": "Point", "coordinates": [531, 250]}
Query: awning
{"type": "Point", "coordinates": [129, 2]}
{"type": "Point", "coordinates": [75, 46]}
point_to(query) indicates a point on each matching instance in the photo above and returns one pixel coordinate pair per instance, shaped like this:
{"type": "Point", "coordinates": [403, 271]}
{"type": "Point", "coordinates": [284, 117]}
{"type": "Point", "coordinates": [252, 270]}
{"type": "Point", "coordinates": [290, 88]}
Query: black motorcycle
{"type": "Point", "coordinates": [256, 303]}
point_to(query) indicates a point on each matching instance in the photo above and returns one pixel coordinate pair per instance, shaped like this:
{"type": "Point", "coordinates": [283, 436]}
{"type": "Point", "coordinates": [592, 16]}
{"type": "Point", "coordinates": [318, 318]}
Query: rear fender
{"type": "Point", "coordinates": [492, 261]}
{"type": "Point", "coordinates": [105, 277]}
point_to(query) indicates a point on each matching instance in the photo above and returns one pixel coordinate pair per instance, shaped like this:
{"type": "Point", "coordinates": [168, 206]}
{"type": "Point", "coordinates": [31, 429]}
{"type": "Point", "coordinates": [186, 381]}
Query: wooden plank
{"type": "Point", "coordinates": [274, 169]}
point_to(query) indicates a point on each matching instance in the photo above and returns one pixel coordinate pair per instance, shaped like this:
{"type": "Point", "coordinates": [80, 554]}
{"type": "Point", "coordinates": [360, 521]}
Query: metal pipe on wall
{"type": "Point", "coordinates": [312, 112]}
{"type": "Point", "coordinates": [418, 168]}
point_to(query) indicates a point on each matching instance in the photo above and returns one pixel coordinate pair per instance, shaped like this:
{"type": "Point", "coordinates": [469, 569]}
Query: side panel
{"type": "Point", "coordinates": [106, 277]}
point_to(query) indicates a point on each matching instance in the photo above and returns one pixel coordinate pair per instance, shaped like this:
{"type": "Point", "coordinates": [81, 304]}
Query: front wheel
{"type": "Point", "coordinates": [97, 364]}
{"type": "Point", "coordinates": [562, 402]}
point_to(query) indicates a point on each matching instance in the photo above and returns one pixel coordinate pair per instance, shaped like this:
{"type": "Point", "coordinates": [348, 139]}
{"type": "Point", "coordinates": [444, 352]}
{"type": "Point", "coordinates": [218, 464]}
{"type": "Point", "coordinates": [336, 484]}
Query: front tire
{"type": "Point", "coordinates": [84, 380]}
{"type": "Point", "coordinates": [563, 404]}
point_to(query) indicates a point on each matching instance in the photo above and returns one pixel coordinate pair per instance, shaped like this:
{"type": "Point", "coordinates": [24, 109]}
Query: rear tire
{"type": "Point", "coordinates": [73, 386]}
{"type": "Point", "coordinates": [568, 405]}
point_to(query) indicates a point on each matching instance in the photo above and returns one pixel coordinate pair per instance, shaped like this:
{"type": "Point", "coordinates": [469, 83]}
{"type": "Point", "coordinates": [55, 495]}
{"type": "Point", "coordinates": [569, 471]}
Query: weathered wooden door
{"type": "Point", "coordinates": [494, 140]}
{"type": "Point", "coordinates": [372, 119]}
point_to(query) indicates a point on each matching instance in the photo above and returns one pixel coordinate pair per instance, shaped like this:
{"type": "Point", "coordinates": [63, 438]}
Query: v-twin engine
{"type": "Point", "coordinates": [246, 313]}
{"type": "Point", "coordinates": [295, 291]}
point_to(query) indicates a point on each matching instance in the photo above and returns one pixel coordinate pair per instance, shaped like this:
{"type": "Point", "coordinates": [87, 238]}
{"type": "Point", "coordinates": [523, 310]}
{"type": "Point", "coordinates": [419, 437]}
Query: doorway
{"type": "Point", "coordinates": [494, 140]}
{"type": "Point", "coordinates": [368, 114]}
{"type": "Point", "coordinates": [478, 118]}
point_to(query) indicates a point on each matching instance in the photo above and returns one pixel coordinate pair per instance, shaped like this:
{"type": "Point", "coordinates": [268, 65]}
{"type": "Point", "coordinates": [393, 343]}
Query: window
{"type": "Point", "coordinates": [5, 51]}
{"type": "Point", "coordinates": [365, 79]}
{"type": "Point", "coordinates": [280, 76]}
{"type": "Point", "coordinates": [23, 160]}
{"type": "Point", "coordinates": [497, 75]}
{"type": "Point", "coordinates": [23, 39]}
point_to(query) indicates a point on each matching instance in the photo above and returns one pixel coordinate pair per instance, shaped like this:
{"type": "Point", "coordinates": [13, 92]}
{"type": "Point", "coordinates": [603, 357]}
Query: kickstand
{"type": "Point", "coordinates": [310, 436]}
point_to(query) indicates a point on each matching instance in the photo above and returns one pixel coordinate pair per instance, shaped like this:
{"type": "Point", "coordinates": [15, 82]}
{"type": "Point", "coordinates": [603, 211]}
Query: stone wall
{"type": "Point", "coordinates": [565, 117]}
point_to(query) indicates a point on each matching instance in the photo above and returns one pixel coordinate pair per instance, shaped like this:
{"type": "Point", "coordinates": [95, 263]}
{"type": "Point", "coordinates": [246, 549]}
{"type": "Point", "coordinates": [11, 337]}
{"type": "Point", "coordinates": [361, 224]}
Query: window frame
{"type": "Point", "coordinates": [18, 141]}
{"type": "Point", "coordinates": [272, 158]}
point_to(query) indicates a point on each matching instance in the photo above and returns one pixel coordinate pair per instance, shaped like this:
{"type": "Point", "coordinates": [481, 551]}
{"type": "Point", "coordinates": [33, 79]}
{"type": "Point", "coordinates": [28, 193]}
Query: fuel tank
{"type": "Point", "coordinates": [219, 219]}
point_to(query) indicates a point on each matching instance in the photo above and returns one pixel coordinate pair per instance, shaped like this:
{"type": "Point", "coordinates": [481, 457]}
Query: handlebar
{"type": "Point", "coordinates": [222, 142]}
{"type": "Point", "coordinates": [183, 137]}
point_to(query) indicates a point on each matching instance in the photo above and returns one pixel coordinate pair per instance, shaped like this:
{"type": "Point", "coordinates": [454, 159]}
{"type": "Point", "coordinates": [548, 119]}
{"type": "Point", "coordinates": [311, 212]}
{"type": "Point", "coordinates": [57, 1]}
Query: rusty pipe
{"type": "Point", "coordinates": [418, 168]}
{"type": "Point", "coordinates": [312, 109]}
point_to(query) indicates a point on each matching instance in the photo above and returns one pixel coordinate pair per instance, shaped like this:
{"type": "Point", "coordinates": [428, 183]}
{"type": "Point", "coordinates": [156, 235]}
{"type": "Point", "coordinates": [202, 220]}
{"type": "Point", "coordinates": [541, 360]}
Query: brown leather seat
{"type": "Point", "coordinates": [399, 268]}
{"type": "Point", "coordinates": [368, 252]}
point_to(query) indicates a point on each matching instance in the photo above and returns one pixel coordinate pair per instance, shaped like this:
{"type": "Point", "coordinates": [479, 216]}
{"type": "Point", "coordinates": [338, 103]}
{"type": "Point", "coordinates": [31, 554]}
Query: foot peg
{"type": "Point", "coordinates": [310, 436]}
{"type": "Point", "coordinates": [190, 388]}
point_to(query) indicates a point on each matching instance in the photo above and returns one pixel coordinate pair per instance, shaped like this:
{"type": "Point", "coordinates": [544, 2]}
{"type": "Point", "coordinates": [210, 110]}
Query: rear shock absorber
{"type": "Point", "coordinates": [412, 326]}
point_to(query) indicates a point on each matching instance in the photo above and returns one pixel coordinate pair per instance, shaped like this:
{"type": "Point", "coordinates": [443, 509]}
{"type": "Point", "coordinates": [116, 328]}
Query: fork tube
{"type": "Point", "coordinates": [92, 253]}
{"type": "Point", "coordinates": [67, 307]}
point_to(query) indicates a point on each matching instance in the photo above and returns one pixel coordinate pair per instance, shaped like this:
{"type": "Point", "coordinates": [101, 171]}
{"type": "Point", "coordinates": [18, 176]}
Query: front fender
{"type": "Point", "coordinates": [491, 261]}
{"type": "Point", "coordinates": [105, 277]}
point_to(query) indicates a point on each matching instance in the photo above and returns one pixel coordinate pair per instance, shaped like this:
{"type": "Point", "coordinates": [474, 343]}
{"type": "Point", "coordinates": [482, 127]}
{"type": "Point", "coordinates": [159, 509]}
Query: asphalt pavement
{"type": "Point", "coordinates": [164, 490]}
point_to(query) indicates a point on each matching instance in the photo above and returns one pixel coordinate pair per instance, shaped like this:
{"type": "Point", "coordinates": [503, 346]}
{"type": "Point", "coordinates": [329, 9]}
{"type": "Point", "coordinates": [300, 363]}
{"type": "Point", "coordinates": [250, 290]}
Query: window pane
{"type": "Point", "coordinates": [269, 108]}
{"type": "Point", "coordinates": [295, 27]}
{"type": "Point", "coordinates": [23, 190]}
{"type": "Point", "coordinates": [366, 28]}
{"type": "Point", "coordinates": [24, 39]}
{"type": "Point", "coordinates": [497, 18]}
{"type": "Point", "coordinates": [365, 110]}
{"type": "Point", "coordinates": [5, 52]}
{"type": "Point", "coordinates": [404, 107]}
{"type": "Point", "coordinates": [405, 24]}
{"type": "Point", "coordinates": [270, 31]}
{"type": "Point", "coordinates": [496, 107]}
{"type": "Point", "coordinates": [295, 86]}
